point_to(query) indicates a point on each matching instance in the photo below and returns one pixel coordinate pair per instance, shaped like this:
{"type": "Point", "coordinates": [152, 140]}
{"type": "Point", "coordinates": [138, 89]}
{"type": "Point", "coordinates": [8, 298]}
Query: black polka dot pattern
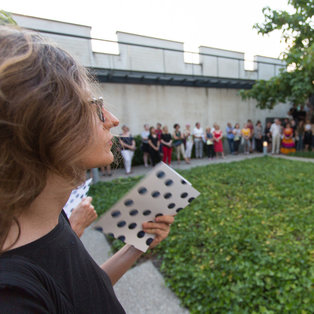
{"type": "Point", "coordinates": [147, 212]}
{"type": "Point", "coordinates": [142, 190]}
{"type": "Point", "coordinates": [160, 174]}
{"type": "Point", "coordinates": [155, 194]}
{"type": "Point", "coordinates": [121, 223]}
{"type": "Point", "coordinates": [167, 195]}
{"type": "Point", "coordinates": [140, 234]}
{"type": "Point", "coordinates": [116, 213]}
{"type": "Point", "coordinates": [162, 192]}
{"type": "Point", "coordinates": [128, 202]}
{"type": "Point", "coordinates": [132, 225]}
{"type": "Point", "coordinates": [149, 241]}
{"type": "Point", "coordinates": [133, 212]}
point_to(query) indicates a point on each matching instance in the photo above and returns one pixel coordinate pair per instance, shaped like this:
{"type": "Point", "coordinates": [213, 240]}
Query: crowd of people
{"type": "Point", "coordinates": [280, 136]}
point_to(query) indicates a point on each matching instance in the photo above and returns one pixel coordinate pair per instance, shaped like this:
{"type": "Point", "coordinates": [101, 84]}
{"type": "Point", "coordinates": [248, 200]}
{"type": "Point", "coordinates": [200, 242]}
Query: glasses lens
{"type": "Point", "coordinates": [99, 108]}
{"type": "Point", "coordinates": [100, 112]}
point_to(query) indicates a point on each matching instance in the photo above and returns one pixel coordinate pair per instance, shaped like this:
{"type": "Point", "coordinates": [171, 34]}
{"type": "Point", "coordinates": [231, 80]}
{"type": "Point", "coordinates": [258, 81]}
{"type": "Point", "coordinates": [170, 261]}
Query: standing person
{"type": "Point", "coordinates": [246, 133]}
{"type": "Point", "coordinates": [188, 142]}
{"type": "Point", "coordinates": [158, 131]}
{"type": "Point", "coordinates": [252, 138]}
{"type": "Point", "coordinates": [209, 140]}
{"type": "Point", "coordinates": [230, 137]}
{"type": "Point", "coordinates": [267, 135]}
{"type": "Point", "coordinates": [178, 143]}
{"type": "Point", "coordinates": [300, 135]}
{"type": "Point", "coordinates": [287, 143]}
{"type": "Point", "coordinates": [145, 146]}
{"type": "Point", "coordinates": [237, 138]}
{"type": "Point", "coordinates": [166, 141]}
{"type": "Point", "coordinates": [154, 144]}
{"type": "Point", "coordinates": [307, 135]}
{"type": "Point", "coordinates": [218, 147]}
{"type": "Point", "coordinates": [128, 147]}
{"type": "Point", "coordinates": [198, 135]}
{"type": "Point", "coordinates": [293, 126]}
{"type": "Point", "coordinates": [259, 136]}
{"type": "Point", "coordinates": [275, 131]}
{"type": "Point", "coordinates": [51, 133]}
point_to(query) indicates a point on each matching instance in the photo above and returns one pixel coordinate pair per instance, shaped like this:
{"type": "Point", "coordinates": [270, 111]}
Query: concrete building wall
{"type": "Point", "coordinates": [154, 57]}
{"type": "Point", "coordinates": [79, 48]}
{"type": "Point", "coordinates": [139, 104]}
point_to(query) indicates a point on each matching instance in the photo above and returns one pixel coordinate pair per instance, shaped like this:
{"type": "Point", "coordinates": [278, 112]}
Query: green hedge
{"type": "Point", "coordinates": [246, 244]}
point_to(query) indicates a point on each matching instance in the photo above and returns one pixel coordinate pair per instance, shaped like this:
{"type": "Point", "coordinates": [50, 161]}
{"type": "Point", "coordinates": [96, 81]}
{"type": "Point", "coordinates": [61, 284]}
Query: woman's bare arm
{"type": "Point", "coordinates": [120, 262]}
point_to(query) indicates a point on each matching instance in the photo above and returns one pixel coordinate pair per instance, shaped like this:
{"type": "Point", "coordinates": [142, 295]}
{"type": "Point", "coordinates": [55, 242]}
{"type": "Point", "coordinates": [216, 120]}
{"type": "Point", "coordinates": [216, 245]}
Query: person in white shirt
{"type": "Point", "coordinates": [188, 142]}
{"type": "Point", "coordinates": [275, 131]}
{"type": "Point", "coordinates": [145, 145]}
{"type": "Point", "coordinates": [198, 135]}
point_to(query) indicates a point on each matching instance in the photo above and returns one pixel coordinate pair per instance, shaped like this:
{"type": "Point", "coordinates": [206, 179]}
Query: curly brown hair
{"type": "Point", "coordinates": [46, 120]}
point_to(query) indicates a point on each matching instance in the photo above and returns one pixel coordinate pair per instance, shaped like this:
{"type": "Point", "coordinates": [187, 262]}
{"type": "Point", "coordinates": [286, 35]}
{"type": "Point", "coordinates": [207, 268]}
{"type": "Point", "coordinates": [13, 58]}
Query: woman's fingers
{"type": "Point", "coordinates": [165, 219]}
{"type": "Point", "coordinates": [160, 228]}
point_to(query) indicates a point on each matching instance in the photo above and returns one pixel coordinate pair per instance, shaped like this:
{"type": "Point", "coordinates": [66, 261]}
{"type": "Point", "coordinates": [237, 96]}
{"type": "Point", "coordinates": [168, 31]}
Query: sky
{"type": "Point", "coordinates": [224, 24]}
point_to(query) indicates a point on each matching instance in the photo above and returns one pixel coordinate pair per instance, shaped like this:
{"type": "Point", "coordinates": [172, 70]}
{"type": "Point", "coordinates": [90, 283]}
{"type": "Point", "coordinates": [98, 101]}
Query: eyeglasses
{"type": "Point", "coordinates": [99, 108]}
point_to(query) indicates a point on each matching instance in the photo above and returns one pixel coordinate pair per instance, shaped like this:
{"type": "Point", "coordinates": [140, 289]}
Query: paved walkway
{"type": "Point", "coordinates": [142, 289]}
{"type": "Point", "coordinates": [141, 170]}
{"type": "Point", "coordinates": [294, 158]}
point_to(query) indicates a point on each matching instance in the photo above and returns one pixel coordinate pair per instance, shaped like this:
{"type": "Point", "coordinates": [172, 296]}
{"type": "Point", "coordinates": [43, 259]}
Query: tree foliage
{"type": "Point", "coordinates": [295, 83]}
{"type": "Point", "coordinates": [6, 18]}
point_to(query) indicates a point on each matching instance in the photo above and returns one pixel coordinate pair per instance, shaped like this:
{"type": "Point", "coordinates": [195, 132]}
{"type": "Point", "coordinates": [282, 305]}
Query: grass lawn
{"type": "Point", "coordinates": [246, 244]}
{"type": "Point", "coordinates": [303, 154]}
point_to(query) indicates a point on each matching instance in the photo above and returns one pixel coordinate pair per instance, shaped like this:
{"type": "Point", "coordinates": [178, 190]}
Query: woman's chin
{"type": "Point", "coordinates": [109, 159]}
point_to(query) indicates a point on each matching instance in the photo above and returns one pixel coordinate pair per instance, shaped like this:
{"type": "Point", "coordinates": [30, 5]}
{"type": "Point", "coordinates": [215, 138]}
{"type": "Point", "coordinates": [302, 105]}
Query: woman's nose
{"type": "Point", "coordinates": [110, 119]}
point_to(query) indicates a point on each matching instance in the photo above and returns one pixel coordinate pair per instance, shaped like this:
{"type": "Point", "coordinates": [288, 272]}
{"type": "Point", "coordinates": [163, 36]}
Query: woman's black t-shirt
{"type": "Point", "coordinates": [55, 274]}
{"type": "Point", "coordinates": [166, 137]}
{"type": "Point", "coordinates": [153, 139]}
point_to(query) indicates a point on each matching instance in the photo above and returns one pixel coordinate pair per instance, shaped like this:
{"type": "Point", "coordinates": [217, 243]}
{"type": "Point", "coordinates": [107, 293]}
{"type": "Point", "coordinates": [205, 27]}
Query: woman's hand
{"type": "Point", "coordinates": [82, 216]}
{"type": "Point", "coordinates": [161, 228]}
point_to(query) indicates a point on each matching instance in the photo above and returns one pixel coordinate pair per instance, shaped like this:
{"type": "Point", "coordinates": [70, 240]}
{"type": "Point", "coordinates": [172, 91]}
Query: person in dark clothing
{"type": "Point", "coordinates": [209, 138]}
{"type": "Point", "coordinates": [154, 144]}
{"type": "Point", "coordinates": [51, 133]}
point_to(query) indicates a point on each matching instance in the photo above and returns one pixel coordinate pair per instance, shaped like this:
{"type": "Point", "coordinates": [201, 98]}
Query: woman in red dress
{"type": "Point", "coordinates": [218, 141]}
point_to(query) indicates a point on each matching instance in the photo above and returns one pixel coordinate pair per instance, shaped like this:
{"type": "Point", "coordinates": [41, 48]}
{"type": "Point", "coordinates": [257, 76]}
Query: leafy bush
{"type": "Point", "coordinates": [246, 244]}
